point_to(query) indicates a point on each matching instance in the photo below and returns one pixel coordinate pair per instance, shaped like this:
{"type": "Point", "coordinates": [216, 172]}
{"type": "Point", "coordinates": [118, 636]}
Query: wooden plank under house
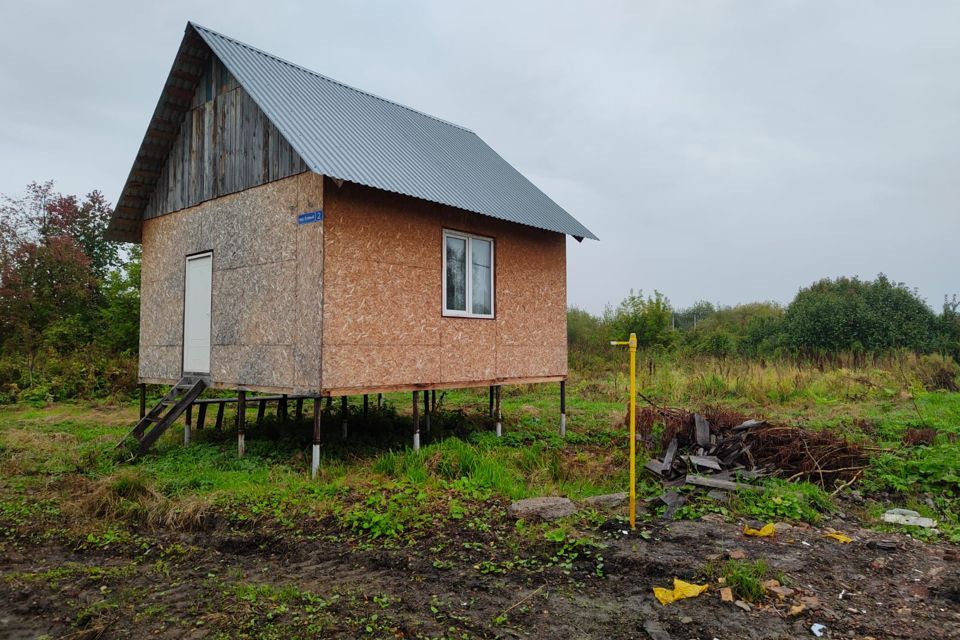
{"type": "Point", "coordinates": [303, 239]}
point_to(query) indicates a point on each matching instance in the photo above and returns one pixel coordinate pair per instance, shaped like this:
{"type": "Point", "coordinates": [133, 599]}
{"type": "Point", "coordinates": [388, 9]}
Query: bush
{"type": "Point", "coordinates": [650, 318]}
{"type": "Point", "coordinates": [852, 315]}
{"type": "Point", "coordinates": [52, 376]}
{"type": "Point", "coordinates": [835, 322]}
{"type": "Point", "coordinates": [69, 311]}
{"type": "Point", "coordinates": [937, 372]}
{"type": "Point", "coordinates": [38, 395]}
{"type": "Point", "coordinates": [931, 469]}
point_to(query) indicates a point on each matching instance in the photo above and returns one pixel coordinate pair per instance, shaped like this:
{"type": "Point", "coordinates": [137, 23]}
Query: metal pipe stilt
{"type": "Point", "coordinates": [563, 408]}
{"type": "Point", "coordinates": [426, 409]}
{"type": "Point", "coordinates": [499, 411]}
{"type": "Point", "coordinates": [241, 422]}
{"type": "Point", "coordinates": [315, 457]}
{"type": "Point", "coordinates": [416, 421]}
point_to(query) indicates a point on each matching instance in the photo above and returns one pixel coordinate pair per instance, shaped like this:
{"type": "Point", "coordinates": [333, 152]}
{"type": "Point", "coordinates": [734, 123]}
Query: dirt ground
{"type": "Point", "coordinates": [461, 583]}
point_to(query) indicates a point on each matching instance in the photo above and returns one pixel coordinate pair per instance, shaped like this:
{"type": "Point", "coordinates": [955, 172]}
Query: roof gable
{"type": "Point", "coordinates": [352, 135]}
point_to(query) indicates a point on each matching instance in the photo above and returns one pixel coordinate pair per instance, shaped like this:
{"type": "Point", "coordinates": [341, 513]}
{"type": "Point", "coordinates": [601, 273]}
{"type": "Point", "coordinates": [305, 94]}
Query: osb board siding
{"type": "Point", "coordinates": [364, 289]}
{"type": "Point", "coordinates": [252, 366]}
{"type": "Point", "coordinates": [266, 316]}
{"type": "Point", "coordinates": [477, 338]}
{"type": "Point", "coordinates": [396, 364]}
{"type": "Point", "coordinates": [164, 362]}
{"type": "Point", "coordinates": [460, 384]}
{"type": "Point", "coordinates": [224, 144]}
{"type": "Point", "coordinates": [383, 324]}
{"type": "Point", "coordinates": [265, 319]}
{"type": "Point", "coordinates": [307, 329]}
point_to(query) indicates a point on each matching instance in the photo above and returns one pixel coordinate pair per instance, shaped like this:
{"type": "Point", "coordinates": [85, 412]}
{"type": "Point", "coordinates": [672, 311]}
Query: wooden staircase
{"type": "Point", "coordinates": [165, 413]}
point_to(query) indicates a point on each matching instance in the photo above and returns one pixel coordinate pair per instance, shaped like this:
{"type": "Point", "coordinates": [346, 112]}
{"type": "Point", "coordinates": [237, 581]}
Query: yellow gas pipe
{"type": "Point", "coordinates": [632, 343]}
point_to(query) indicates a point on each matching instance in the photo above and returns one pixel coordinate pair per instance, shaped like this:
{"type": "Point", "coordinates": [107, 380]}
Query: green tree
{"type": "Point", "coordinates": [86, 222]}
{"type": "Point", "coordinates": [650, 318]}
{"type": "Point", "coordinates": [46, 291]}
{"type": "Point", "coordinates": [585, 331]}
{"type": "Point", "coordinates": [66, 311]}
{"type": "Point", "coordinates": [848, 314]}
{"type": "Point", "coordinates": [749, 330]}
{"type": "Point", "coordinates": [718, 343]}
{"type": "Point", "coordinates": [948, 329]}
{"type": "Point", "coordinates": [120, 313]}
{"type": "Point", "coordinates": [762, 335]}
{"type": "Point", "coordinates": [690, 318]}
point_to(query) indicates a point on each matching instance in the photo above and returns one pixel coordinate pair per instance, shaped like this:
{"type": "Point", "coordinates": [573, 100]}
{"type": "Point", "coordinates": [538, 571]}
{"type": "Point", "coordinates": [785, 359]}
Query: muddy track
{"type": "Point", "coordinates": [219, 584]}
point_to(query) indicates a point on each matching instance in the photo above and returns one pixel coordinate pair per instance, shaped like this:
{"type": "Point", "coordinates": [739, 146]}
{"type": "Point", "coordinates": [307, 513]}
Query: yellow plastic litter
{"type": "Point", "coordinates": [680, 591]}
{"type": "Point", "coordinates": [839, 537]}
{"type": "Point", "coordinates": [763, 532]}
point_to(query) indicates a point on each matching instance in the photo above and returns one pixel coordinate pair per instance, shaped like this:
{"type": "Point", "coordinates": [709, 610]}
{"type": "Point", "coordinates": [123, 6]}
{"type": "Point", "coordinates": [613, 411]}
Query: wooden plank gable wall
{"type": "Point", "coordinates": [225, 144]}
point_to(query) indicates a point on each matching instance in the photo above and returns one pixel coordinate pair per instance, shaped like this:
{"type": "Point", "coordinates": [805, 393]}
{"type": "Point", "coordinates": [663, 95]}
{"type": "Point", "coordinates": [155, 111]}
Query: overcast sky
{"type": "Point", "coordinates": [728, 151]}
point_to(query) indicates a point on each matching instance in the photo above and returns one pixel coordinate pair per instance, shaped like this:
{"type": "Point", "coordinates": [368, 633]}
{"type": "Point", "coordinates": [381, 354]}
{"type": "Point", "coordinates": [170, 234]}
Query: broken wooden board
{"type": "Point", "coordinates": [729, 458]}
{"type": "Point", "coordinates": [655, 467]}
{"type": "Point", "coordinates": [715, 483]}
{"type": "Point", "coordinates": [674, 501]}
{"type": "Point", "coordinates": [670, 498]}
{"type": "Point", "coordinates": [749, 474]}
{"type": "Point", "coordinates": [708, 462]}
{"type": "Point", "coordinates": [702, 430]}
{"type": "Point", "coordinates": [749, 424]}
{"type": "Point", "coordinates": [670, 453]}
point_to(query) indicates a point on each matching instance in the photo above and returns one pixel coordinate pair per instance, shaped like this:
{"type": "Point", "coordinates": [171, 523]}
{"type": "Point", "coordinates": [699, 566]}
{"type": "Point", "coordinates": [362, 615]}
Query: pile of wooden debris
{"type": "Point", "coordinates": [722, 450]}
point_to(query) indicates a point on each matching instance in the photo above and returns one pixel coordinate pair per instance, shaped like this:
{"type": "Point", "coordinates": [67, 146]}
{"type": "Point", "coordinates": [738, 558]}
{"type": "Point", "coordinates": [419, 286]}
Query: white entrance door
{"type": "Point", "coordinates": [196, 314]}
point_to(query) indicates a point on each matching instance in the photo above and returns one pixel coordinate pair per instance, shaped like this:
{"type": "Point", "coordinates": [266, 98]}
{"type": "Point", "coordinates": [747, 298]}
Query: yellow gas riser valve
{"type": "Point", "coordinates": [632, 344]}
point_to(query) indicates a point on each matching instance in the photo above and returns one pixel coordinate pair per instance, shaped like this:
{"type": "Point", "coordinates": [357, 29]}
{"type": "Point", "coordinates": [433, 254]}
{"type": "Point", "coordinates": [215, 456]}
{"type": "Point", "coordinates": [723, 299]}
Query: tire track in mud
{"type": "Point", "coordinates": [191, 582]}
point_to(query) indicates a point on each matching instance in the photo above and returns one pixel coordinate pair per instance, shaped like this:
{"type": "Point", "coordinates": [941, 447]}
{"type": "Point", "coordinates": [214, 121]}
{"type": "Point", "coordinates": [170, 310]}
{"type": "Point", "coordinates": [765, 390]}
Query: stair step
{"type": "Point", "coordinates": [158, 420]}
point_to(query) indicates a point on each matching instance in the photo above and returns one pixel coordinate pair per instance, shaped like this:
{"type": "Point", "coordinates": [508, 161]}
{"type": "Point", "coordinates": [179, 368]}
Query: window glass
{"type": "Point", "coordinates": [456, 274]}
{"type": "Point", "coordinates": [481, 273]}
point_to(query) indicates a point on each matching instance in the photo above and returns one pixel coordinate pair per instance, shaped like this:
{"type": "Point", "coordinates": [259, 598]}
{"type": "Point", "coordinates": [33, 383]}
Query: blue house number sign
{"type": "Point", "coordinates": [310, 216]}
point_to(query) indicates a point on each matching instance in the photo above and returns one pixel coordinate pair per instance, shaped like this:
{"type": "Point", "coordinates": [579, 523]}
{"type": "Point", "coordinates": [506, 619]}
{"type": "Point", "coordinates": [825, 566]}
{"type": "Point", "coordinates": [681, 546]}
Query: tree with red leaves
{"type": "Point", "coordinates": [45, 292]}
{"type": "Point", "coordinates": [54, 256]}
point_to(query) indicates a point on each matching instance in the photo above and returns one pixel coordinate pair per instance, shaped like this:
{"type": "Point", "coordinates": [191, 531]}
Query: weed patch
{"type": "Point", "coordinates": [387, 512]}
{"type": "Point", "coordinates": [744, 578]}
{"type": "Point", "coordinates": [793, 501]}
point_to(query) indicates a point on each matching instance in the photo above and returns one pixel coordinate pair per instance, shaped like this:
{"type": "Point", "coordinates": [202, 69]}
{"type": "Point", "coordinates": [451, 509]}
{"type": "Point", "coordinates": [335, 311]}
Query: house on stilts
{"type": "Point", "coordinates": [305, 239]}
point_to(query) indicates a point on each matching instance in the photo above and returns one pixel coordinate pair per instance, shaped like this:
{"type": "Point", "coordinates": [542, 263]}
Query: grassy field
{"type": "Point", "coordinates": [102, 520]}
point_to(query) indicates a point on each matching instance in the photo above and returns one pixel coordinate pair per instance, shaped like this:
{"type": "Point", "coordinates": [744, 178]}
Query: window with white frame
{"type": "Point", "coordinates": [467, 275]}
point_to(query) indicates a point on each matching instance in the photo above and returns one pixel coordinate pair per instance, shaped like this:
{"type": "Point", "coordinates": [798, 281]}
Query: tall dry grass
{"type": "Point", "coordinates": [678, 379]}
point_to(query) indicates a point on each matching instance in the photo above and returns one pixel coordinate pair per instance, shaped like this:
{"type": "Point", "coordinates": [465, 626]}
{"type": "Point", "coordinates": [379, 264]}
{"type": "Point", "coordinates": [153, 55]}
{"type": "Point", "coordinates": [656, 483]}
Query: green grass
{"type": "Point", "coordinates": [780, 501]}
{"type": "Point", "coordinates": [61, 482]}
{"type": "Point", "coordinates": [744, 578]}
{"type": "Point", "coordinates": [785, 501]}
{"type": "Point", "coordinates": [55, 576]}
{"type": "Point", "coordinates": [510, 467]}
{"type": "Point", "coordinates": [366, 483]}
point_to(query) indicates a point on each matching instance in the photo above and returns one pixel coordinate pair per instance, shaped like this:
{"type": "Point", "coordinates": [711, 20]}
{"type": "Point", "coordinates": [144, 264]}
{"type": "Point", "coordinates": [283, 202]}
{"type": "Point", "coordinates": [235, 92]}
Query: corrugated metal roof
{"type": "Point", "coordinates": [352, 135]}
